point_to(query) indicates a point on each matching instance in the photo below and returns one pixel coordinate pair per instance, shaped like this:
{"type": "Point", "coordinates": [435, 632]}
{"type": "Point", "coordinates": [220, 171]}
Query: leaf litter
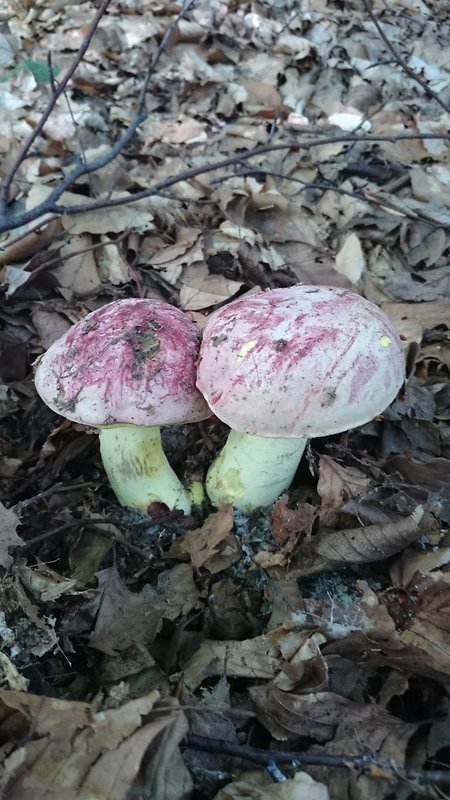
{"type": "Point", "coordinates": [322, 623]}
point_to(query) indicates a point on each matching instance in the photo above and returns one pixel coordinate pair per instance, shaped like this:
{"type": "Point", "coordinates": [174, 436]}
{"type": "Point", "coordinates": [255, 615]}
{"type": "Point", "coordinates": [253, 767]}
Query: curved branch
{"type": "Point", "coordinates": [5, 189]}
{"type": "Point", "coordinates": [51, 206]}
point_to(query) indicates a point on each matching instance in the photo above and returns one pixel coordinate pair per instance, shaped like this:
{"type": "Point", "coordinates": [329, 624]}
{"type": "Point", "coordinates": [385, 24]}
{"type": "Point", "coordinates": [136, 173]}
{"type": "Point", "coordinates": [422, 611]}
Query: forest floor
{"type": "Point", "coordinates": [184, 656]}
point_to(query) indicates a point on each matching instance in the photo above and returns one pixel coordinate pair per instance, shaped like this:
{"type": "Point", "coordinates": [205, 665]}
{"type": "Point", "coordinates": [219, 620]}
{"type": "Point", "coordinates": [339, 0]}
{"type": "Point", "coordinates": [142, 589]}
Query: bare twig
{"type": "Point", "coordinates": [365, 763]}
{"type": "Point", "coordinates": [401, 61]}
{"type": "Point", "coordinates": [12, 218]}
{"type": "Point", "coordinates": [51, 205]}
{"type": "Point", "coordinates": [365, 195]}
{"type": "Point", "coordinates": [5, 189]}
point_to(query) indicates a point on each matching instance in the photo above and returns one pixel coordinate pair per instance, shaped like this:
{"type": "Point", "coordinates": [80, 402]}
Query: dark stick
{"type": "Point", "coordinates": [5, 189]}
{"type": "Point", "coordinates": [366, 763]}
{"type": "Point", "coordinates": [50, 205]}
{"type": "Point", "coordinates": [401, 61]}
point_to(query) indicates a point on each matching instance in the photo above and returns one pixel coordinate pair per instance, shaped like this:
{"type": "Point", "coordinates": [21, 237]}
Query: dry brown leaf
{"type": "Point", "coordinates": [350, 259]}
{"type": "Point", "coordinates": [310, 264]}
{"type": "Point", "coordinates": [412, 562]}
{"type": "Point", "coordinates": [305, 669]}
{"type": "Point", "coordinates": [112, 266]}
{"type": "Point", "coordinates": [411, 319]}
{"type": "Point", "coordinates": [47, 757]}
{"type": "Point", "coordinates": [336, 485]}
{"type": "Point", "coordinates": [77, 274]}
{"type": "Point", "coordinates": [124, 618]}
{"type": "Point", "coordinates": [88, 551]}
{"type": "Point", "coordinates": [372, 543]}
{"type": "Point", "coordinates": [430, 628]}
{"type": "Point", "coordinates": [170, 260]}
{"type": "Point", "coordinates": [177, 588]}
{"type": "Point", "coordinates": [9, 522]}
{"type": "Point", "coordinates": [356, 545]}
{"type": "Point", "coordinates": [290, 526]}
{"type": "Point", "coordinates": [261, 787]}
{"type": "Point", "coordinates": [201, 290]}
{"type": "Point", "coordinates": [252, 658]}
{"type": "Point", "coordinates": [289, 523]}
{"type": "Point", "coordinates": [44, 583]}
{"type": "Point", "coordinates": [212, 546]}
{"type": "Point", "coordinates": [49, 325]}
{"type": "Point", "coordinates": [434, 475]}
{"type": "Point", "coordinates": [426, 183]}
{"type": "Point", "coordinates": [184, 130]}
{"type": "Point", "coordinates": [25, 246]}
{"type": "Point", "coordinates": [9, 675]}
{"type": "Point", "coordinates": [320, 715]}
{"type": "Point", "coordinates": [366, 630]}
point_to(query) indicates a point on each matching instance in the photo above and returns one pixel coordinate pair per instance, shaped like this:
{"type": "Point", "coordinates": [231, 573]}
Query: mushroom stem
{"type": "Point", "coordinates": [137, 468]}
{"type": "Point", "coordinates": [251, 471]}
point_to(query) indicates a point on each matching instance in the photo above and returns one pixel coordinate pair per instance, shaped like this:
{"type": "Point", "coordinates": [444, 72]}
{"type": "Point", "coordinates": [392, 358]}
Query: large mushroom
{"type": "Point", "coordinates": [128, 368]}
{"type": "Point", "coordinates": [286, 365]}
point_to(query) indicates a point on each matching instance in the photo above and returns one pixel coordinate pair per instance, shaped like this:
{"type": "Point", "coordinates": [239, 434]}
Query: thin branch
{"type": "Point", "coordinates": [401, 61]}
{"type": "Point", "coordinates": [5, 189]}
{"type": "Point", "coordinates": [366, 763]}
{"type": "Point", "coordinates": [11, 220]}
{"type": "Point", "coordinates": [50, 205]}
{"type": "Point", "coordinates": [363, 194]}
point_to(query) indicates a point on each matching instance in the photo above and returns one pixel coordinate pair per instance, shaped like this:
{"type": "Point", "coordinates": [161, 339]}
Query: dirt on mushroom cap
{"type": "Point", "coordinates": [131, 361]}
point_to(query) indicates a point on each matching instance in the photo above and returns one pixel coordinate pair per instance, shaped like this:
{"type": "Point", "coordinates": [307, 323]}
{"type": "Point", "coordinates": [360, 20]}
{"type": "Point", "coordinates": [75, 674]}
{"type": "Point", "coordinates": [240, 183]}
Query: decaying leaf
{"type": "Point", "coordinates": [127, 618]}
{"type": "Point", "coordinates": [78, 274]}
{"type": "Point", "coordinates": [213, 546]}
{"type": "Point", "coordinates": [350, 259]}
{"type": "Point", "coordinates": [260, 787]}
{"type": "Point", "coordinates": [200, 289]}
{"type": "Point", "coordinates": [411, 319]}
{"type": "Point", "coordinates": [321, 715]}
{"type": "Point", "coordinates": [357, 545]}
{"type": "Point", "coordinates": [337, 484]}
{"type": "Point", "coordinates": [123, 617]}
{"type": "Point", "coordinates": [429, 630]}
{"type": "Point", "coordinates": [412, 562]}
{"type": "Point", "coordinates": [251, 658]}
{"type": "Point", "coordinates": [288, 524]}
{"type": "Point", "coordinates": [9, 522]}
{"type": "Point", "coordinates": [63, 749]}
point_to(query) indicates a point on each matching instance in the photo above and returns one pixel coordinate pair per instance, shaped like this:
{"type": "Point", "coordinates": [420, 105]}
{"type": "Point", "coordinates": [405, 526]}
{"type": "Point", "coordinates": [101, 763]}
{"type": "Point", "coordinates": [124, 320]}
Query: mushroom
{"type": "Point", "coordinates": [286, 365]}
{"type": "Point", "coordinates": [128, 368]}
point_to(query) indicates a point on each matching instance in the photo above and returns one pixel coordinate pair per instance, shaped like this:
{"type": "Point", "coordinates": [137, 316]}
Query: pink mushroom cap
{"type": "Point", "coordinates": [131, 361]}
{"type": "Point", "coordinates": [304, 361]}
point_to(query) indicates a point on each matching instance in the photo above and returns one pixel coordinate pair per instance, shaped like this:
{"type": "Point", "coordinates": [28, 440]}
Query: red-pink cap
{"type": "Point", "coordinates": [303, 361]}
{"type": "Point", "coordinates": [131, 361]}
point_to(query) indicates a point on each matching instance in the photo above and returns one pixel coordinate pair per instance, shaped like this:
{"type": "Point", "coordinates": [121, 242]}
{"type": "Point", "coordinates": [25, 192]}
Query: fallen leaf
{"type": "Point", "coordinates": [320, 714]}
{"type": "Point", "coordinates": [411, 319]}
{"type": "Point", "coordinates": [429, 630]}
{"type": "Point", "coordinates": [47, 755]}
{"type": "Point", "coordinates": [301, 787]}
{"type": "Point", "coordinates": [350, 259]}
{"type": "Point", "coordinates": [356, 545]}
{"type": "Point", "coordinates": [124, 618]}
{"type": "Point", "coordinates": [202, 290]}
{"type": "Point", "coordinates": [78, 274]}
{"type": "Point", "coordinates": [411, 562]}
{"type": "Point", "coordinates": [212, 546]}
{"type": "Point", "coordinates": [112, 266]}
{"type": "Point", "coordinates": [251, 658]}
{"type": "Point", "coordinates": [336, 485]}
{"type": "Point", "coordinates": [9, 521]}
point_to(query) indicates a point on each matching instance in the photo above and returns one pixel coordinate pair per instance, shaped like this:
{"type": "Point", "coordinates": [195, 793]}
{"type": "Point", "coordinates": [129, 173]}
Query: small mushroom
{"type": "Point", "coordinates": [128, 368]}
{"type": "Point", "coordinates": [286, 365]}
